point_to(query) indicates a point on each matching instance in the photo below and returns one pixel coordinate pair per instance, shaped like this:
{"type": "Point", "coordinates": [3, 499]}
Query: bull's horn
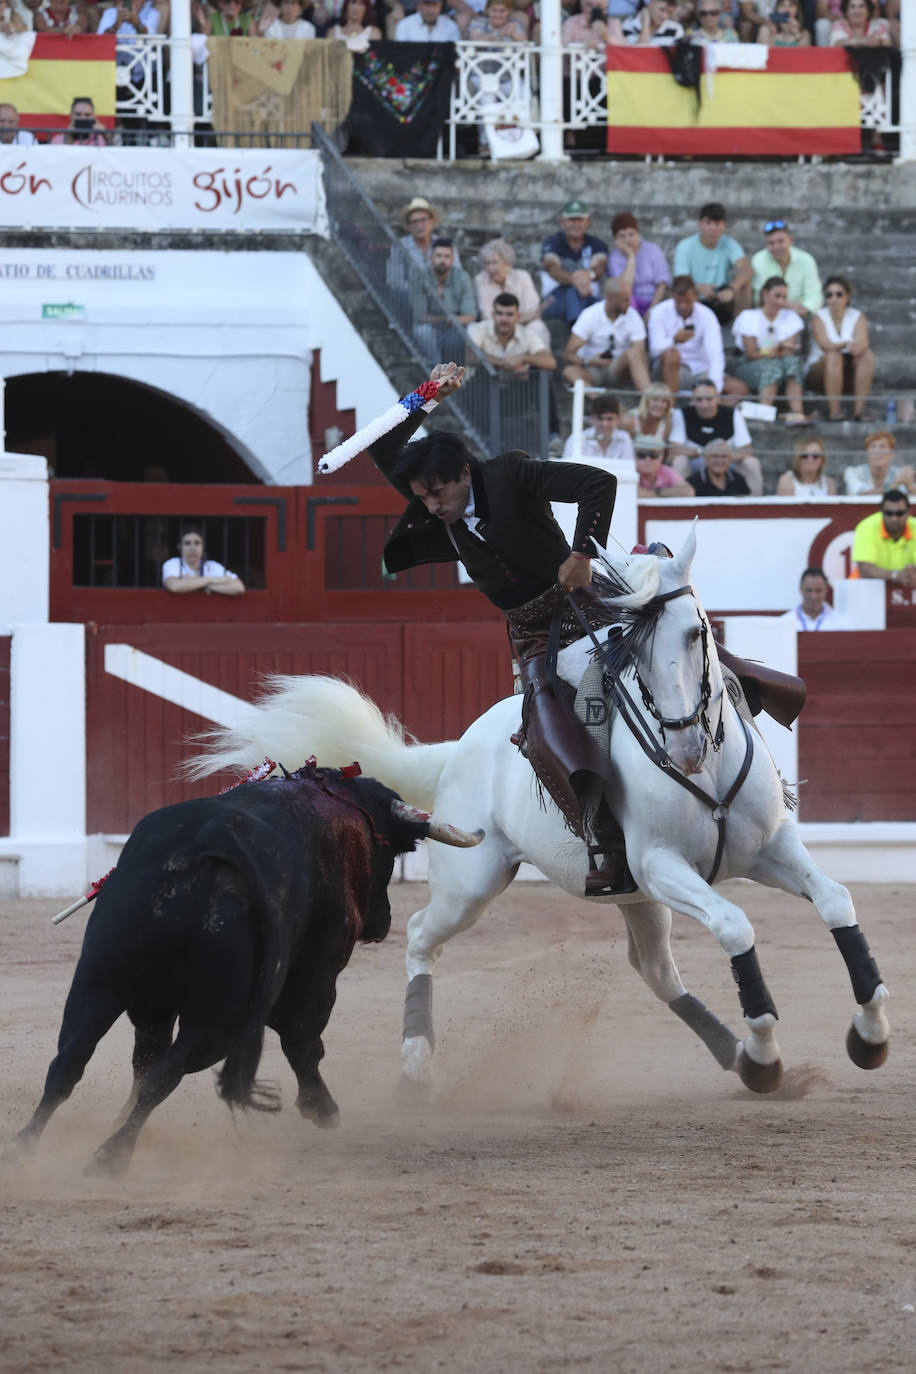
{"type": "Point", "coordinates": [450, 834]}
{"type": "Point", "coordinates": [438, 830]}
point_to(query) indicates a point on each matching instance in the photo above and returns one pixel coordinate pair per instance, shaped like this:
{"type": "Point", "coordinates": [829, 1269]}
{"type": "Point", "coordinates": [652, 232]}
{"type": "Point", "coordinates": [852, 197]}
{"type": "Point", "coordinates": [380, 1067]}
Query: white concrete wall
{"type": "Point", "coordinates": [24, 540]}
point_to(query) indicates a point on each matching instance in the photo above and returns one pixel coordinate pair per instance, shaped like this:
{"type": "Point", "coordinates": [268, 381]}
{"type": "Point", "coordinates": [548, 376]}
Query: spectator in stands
{"type": "Point", "coordinates": [878, 473]}
{"type": "Point", "coordinates": [717, 477]}
{"type": "Point", "coordinates": [860, 26]}
{"type": "Point", "coordinates": [585, 23]}
{"type": "Point", "coordinates": [60, 16]}
{"type": "Point", "coordinates": [685, 342]}
{"type": "Point", "coordinates": [656, 478]}
{"type": "Point", "coordinates": [455, 293]}
{"type": "Point", "coordinates": [607, 346]}
{"type": "Point", "coordinates": [717, 263]}
{"type": "Point", "coordinates": [770, 339]}
{"type": "Point", "coordinates": [814, 611]}
{"type": "Point", "coordinates": [573, 261]}
{"type": "Point", "coordinates": [781, 259]}
{"type": "Point", "coordinates": [500, 274]}
{"type": "Point", "coordinates": [427, 25]}
{"type": "Point", "coordinates": [232, 21]}
{"type": "Point", "coordinates": [85, 130]}
{"type": "Point", "coordinates": [705, 419]}
{"type": "Point", "coordinates": [605, 438]}
{"type": "Point", "coordinates": [192, 571]}
{"type": "Point", "coordinates": [14, 19]}
{"type": "Point", "coordinates": [359, 27]}
{"type": "Point", "coordinates": [884, 544]}
{"type": "Point", "coordinates": [711, 28]}
{"type": "Point", "coordinates": [653, 415]}
{"type": "Point", "coordinates": [840, 361]}
{"type": "Point", "coordinates": [128, 19]}
{"type": "Point", "coordinates": [751, 15]}
{"type": "Point", "coordinates": [498, 23]}
{"type": "Point", "coordinates": [634, 258]}
{"type": "Point", "coordinates": [785, 28]}
{"type": "Point", "coordinates": [654, 25]}
{"type": "Point", "coordinates": [507, 343]}
{"type": "Point", "coordinates": [421, 218]}
{"type": "Point", "coordinates": [808, 478]}
{"type": "Point", "coordinates": [10, 132]}
{"type": "Point", "coordinates": [290, 23]}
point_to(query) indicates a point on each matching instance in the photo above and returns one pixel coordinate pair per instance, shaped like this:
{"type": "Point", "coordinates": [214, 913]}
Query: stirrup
{"type": "Point", "coordinates": [614, 878]}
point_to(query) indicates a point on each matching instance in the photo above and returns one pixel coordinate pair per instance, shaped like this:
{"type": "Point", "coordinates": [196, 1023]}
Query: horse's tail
{"type": "Point", "coordinates": [296, 717]}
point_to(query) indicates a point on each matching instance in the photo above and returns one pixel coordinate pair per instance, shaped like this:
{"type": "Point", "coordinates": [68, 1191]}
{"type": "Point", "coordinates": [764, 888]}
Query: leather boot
{"type": "Point", "coordinates": [609, 875]}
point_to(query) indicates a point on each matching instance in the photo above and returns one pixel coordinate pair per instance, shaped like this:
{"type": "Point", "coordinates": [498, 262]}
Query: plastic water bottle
{"type": "Point", "coordinates": [890, 414]}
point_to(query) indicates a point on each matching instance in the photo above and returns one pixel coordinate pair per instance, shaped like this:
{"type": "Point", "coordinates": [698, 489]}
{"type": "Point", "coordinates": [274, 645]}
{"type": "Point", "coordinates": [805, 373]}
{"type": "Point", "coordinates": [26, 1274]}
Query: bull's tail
{"type": "Point", "coordinates": [236, 1082]}
{"type": "Point", "coordinates": [296, 717]}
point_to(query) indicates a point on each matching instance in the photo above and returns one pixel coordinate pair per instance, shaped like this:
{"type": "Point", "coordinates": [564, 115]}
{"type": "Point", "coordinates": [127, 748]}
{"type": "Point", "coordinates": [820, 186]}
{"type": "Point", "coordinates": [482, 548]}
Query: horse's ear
{"type": "Point", "coordinates": [684, 556]}
{"type": "Point", "coordinates": [614, 562]}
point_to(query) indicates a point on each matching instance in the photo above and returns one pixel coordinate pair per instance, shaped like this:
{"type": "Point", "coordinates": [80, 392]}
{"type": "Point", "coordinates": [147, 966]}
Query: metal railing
{"type": "Point", "coordinates": [491, 86]}
{"type": "Point", "coordinates": [498, 410]}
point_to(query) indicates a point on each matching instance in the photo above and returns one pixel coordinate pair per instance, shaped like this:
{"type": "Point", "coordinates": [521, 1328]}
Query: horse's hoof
{"type": "Point", "coordinates": [328, 1121]}
{"type": "Point", "coordinates": [863, 1054]}
{"type": "Point", "coordinates": [107, 1163]}
{"type": "Point", "coordinates": [412, 1092]}
{"type": "Point", "coordinates": [760, 1078]}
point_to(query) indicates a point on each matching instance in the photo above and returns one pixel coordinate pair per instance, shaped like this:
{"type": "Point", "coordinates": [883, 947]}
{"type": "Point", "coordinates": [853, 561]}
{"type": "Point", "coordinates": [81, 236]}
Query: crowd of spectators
{"type": "Point", "coordinates": [728, 326]}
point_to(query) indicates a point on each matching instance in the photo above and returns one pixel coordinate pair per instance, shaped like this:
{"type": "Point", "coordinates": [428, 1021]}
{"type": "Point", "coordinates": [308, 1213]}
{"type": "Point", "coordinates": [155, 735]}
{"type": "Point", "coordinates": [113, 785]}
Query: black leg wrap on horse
{"type": "Point", "coordinates": [863, 971]}
{"type": "Point", "coordinates": [718, 1039]}
{"type": "Point", "coordinates": [753, 993]}
{"type": "Point", "coordinates": [418, 1009]}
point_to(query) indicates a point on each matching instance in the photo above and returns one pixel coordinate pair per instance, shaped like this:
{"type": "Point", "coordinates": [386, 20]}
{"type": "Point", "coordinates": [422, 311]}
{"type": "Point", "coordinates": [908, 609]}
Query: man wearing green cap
{"type": "Point", "coordinates": [573, 262]}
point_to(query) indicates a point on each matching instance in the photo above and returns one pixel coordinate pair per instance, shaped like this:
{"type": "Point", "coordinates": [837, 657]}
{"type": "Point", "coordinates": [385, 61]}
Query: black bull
{"type": "Point", "coordinates": [230, 914]}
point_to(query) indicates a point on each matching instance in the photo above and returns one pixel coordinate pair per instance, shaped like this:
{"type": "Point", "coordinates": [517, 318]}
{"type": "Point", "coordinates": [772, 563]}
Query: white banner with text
{"type": "Point", "coordinates": [69, 187]}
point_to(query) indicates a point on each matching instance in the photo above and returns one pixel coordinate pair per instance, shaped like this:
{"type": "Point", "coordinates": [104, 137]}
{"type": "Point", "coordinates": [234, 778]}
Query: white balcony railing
{"type": "Point", "coordinates": [492, 86]}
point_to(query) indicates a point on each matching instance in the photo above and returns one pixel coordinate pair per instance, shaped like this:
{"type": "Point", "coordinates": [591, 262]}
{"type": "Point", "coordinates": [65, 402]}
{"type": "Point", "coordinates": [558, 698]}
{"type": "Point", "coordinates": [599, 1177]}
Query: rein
{"type": "Point", "coordinates": [645, 738]}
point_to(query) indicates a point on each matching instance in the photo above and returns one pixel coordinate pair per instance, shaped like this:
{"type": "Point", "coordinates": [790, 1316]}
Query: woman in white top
{"type": "Point", "coordinates": [290, 23]}
{"type": "Point", "coordinates": [808, 479]}
{"type": "Point", "coordinates": [841, 361]}
{"type": "Point", "coordinates": [770, 339]}
{"type": "Point", "coordinates": [652, 415]}
{"type": "Point", "coordinates": [359, 28]}
{"type": "Point", "coordinates": [500, 274]}
{"type": "Point", "coordinates": [192, 572]}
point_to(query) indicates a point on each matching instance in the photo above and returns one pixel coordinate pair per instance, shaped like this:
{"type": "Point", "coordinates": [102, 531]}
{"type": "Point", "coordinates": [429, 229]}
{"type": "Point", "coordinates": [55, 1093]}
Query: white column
{"type": "Point", "coordinates": [48, 760]}
{"type": "Point", "coordinates": [181, 77]}
{"type": "Point", "coordinates": [24, 540]}
{"type": "Point", "coordinates": [551, 83]}
{"type": "Point", "coordinates": [908, 82]}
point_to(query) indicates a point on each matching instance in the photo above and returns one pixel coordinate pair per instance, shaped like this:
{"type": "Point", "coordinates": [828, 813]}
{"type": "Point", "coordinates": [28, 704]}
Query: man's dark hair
{"type": "Point", "coordinates": [683, 283]}
{"type": "Point", "coordinates": [813, 572]}
{"type": "Point", "coordinates": [606, 405]}
{"type": "Point", "coordinates": [713, 209]}
{"type": "Point", "coordinates": [703, 381]}
{"type": "Point", "coordinates": [440, 456]}
{"type": "Point", "coordinates": [895, 497]}
{"type": "Point", "coordinates": [82, 100]}
{"type": "Point", "coordinates": [442, 243]}
{"type": "Point", "coordinates": [506, 298]}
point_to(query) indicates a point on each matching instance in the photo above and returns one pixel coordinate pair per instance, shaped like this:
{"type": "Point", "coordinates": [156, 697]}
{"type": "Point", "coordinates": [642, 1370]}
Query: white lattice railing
{"type": "Point", "coordinates": [492, 86]}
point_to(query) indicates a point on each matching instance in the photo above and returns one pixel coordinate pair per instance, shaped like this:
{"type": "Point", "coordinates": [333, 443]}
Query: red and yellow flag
{"type": "Point", "coordinates": [805, 102]}
{"type": "Point", "coordinates": [60, 69]}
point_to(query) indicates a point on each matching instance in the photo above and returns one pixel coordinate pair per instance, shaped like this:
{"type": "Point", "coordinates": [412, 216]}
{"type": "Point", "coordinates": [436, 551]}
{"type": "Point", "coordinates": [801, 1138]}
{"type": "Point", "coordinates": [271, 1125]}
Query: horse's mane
{"type": "Point", "coordinates": [635, 608]}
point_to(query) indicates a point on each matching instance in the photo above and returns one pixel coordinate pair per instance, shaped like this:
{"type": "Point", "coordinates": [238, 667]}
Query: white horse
{"type": "Point", "coordinates": [699, 799]}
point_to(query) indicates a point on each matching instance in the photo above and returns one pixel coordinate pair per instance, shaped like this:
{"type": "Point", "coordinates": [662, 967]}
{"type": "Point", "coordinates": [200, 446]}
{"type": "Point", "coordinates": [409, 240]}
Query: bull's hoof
{"type": "Point", "coordinates": [863, 1054]}
{"type": "Point", "coordinates": [760, 1078]}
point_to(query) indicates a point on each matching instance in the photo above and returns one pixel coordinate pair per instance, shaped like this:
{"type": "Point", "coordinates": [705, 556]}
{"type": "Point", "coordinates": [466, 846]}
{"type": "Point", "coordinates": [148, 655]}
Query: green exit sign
{"type": "Point", "coordinates": [63, 312]}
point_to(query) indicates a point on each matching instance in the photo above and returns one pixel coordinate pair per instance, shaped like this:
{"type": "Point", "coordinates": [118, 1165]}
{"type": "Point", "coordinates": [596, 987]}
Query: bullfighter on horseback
{"type": "Point", "coordinates": [495, 518]}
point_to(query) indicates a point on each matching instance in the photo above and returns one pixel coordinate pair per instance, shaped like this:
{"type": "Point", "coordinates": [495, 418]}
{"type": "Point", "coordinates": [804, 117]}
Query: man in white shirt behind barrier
{"type": "Point", "coordinates": [607, 346]}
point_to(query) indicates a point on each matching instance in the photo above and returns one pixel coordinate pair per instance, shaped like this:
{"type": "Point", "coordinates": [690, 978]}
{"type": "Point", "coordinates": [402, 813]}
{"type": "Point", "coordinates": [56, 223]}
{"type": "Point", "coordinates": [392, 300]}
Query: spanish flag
{"type": "Point", "coordinates": [61, 69]}
{"type": "Point", "coordinates": [806, 101]}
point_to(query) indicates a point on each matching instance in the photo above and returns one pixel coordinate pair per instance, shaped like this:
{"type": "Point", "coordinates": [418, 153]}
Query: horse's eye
{"type": "Point", "coordinates": [694, 634]}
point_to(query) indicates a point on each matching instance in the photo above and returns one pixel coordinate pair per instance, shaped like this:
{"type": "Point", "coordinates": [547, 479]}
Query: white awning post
{"type": "Point", "coordinates": [551, 56]}
{"type": "Point", "coordinates": [181, 75]}
{"type": "Point", "coordinates": [908, 83]}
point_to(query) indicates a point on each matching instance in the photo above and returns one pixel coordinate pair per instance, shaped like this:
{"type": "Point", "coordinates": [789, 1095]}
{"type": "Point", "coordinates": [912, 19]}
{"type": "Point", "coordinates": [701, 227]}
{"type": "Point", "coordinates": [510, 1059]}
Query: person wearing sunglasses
{"type": "Point", "coordinates": [884, 544]}
{"type": "Point", "coordinates": [808, 479]}
{"type": "Point", "coordinates": [840, 362]}
{"type": "Point", "coordinates": [780, 258]}
{"type": "Point", "coordinates": [709, 27]}
{"type": "Point", "coordinates": [656, 478]}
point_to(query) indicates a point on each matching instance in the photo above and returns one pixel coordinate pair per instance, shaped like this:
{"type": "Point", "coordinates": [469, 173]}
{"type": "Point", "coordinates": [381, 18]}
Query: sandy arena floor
{"type": "Point", "coordinates": [589, 1191]}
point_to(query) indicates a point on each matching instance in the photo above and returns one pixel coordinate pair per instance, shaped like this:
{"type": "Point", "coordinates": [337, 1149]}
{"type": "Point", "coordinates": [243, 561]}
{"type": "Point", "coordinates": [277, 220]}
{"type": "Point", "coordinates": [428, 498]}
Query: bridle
{"type": "Point", "coordinates": [700, 713]}
{"type": "Point", "coordinates": [653, 748]}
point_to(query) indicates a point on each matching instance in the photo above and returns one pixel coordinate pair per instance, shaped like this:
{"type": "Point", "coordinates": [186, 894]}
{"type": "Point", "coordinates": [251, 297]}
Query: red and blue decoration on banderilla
{"type": "Point", "coordinates": [424, 396]}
